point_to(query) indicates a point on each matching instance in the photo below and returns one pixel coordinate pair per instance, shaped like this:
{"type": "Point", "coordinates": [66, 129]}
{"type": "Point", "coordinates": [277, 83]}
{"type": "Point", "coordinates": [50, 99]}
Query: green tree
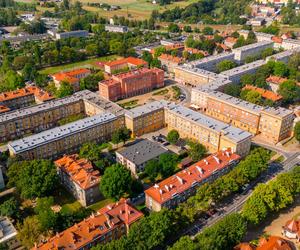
{"type": "Point", "coordinates": [297, 131]}
{"type": "Point", "coordinates": [281, 69]}
{"type": "Point", "coordinates": [290, 91]}
{"type": "Point", "coordinates": [10, 208]}
{"type": "Point", "coordinates": [251, 96]}
{"type": "Point", "coordinates": [64, 90]}
{"type": "Point", "coordinates": [248, 79]}
{"type": "Point", "coordinates": [46, 216]}
{"type": "Point", "coordinates": [173, 28]}
{"type": "Point", "coordinates": [121, 135]}
{"type": "Point", "coordinates": [91, 81]}
{"type": "Point", "coordinates": [233, 90]}
{"type": "Point", "coordinates": [185, 242]}
{"type": "Point", "coordinates": [187, 29]}
{"type": "Point", "coordinates": [152, 169]}
{"type": "Point", "coordinates": [36, 178]}
{"type": "Point", "coordinates": [90, 151]}
{"type": "Point", "coordinates": [173, 136]}
{"type": "Point", "coordinates": [225, 65]}
{"type": "Point", "coordinates": [29, 232]}
{"type": "Point", "coordinates": [116, 182]}
{"type": "Point", "coordinates": [208, 30]}
{"type": "Point", "coordinates": [167, 163]}
{"type": "Point", "coordinates": [196, 150]}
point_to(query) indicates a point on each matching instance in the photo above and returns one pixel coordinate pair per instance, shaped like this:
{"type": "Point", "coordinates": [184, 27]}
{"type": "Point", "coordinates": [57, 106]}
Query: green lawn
{"type": "Point", "coordinates": [95, 207]}
{"type": "Point", "coordinates": [87, 64]}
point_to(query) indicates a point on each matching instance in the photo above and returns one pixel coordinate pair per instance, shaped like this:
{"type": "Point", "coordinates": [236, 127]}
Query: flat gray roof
{"type": "Point", "coordinates": [243, 68]}
{"type": "Point", "coordinates": [252, 46]}
{"type": "Point", "coordinates": [142, 151]}
{"type": "Point", "coordinates": [57, 133]}
{"type": "Point", "coordinates": [234, 134]}
{"type": "Point", "coordinates": [7, 229]}
{"type": "Point", "coordinates": [211, 58]}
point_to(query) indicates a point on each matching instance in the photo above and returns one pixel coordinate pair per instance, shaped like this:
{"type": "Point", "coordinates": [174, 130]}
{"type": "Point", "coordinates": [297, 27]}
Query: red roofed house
{"type": "Point", "coordinates": [266, 94]}
{"type": "Point", "coordinates": [270, 243]}
{"type": "Point", "coordinates": [179, 187]}
{"type": "Point", "coordinates": [169, 62]}
{"type": "Point", "coordinates": [80, 178]}
{"type": "Point", "coordinates": [275, 81]}
{"type": "Point", "coordinates": [129, 62]}
{"type": "Point", "coordinates": [137, 82]}
{"type": "Point", "coordinates": [291, 229]}
{"type": "Point", "coordinates": [24, 97]}
{"type": "Point", "coordinates": [109, 223]}
{"type": "Point", "coordinates": [73, 77]}
{"type": "Point", "coordinates": [196, 51]}
{"type": "Point", "coordinates": [230, 41]}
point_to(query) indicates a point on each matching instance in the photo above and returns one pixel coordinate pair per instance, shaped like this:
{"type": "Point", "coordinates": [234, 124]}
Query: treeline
{"type": "Point", "coordinates": [207, 11]}
{"type": "Point", "coordinates": [156, 230]}
{"type": "Point", "coordinates": [8, 17]}
{"type": "Point", "coordinates": [17, 5]}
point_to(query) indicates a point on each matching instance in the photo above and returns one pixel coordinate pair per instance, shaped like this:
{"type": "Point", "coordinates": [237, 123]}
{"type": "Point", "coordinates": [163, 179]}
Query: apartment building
{"type": "Point", "coordinates": [135, 156]}
{"type": "Point", "coordinates": [137, 82]}
{"type": "Point", "coordinates": [24, 97]}
{"type": "Point", "coordinates": [37, 118]}
{"type": "Point", "coordinates": [70, 34]}
{"type": "Point", "coordinates": [241, 53]}
{"type": "Point", "coordinates": [169, 62]}
{"type": "Point", "coordinates": [179, 187]}
{"type": "Point", "coordinates": [72, 77]}
{"type": "Point", "coordinates": [146, 119]}
{"type": "Point", "coordinates": [116, 28]}
{"type": "Point", "coordinates": [66, 139]}
{"type": "Point", "coordinates": [215, 135]}
{"type": "Point", "coordinates": [109, 223]}
{"type": "Point", "coordinates": [8, 234]}
{"type": "Point", "coordinates": [80, 178]}
{"type": "Point", "coordinates": [244, 115]}
{"type": "Point", "coordinates": [122, 64]}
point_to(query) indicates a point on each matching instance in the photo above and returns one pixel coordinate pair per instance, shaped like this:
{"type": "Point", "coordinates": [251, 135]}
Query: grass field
{"type": "Point", "coordinates": [95, 207]}
{"type": "Point", "coordinates": [90, 63]}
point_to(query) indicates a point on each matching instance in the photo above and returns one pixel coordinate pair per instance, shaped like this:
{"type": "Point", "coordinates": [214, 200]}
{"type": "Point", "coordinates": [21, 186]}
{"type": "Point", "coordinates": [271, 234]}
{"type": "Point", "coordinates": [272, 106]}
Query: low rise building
{"type": "Point", "coordinates": [196, 51]}
{"type": "Point", "coordinates": [80, 178]}
{"type": "Point", "coordinates": [109, 223]}
{"type": "Point", "coordinates": [121, 64]}
{"type": "Point", "coordinates": [170, 62]}
{"type": "Point", "coordinates": [69, 34]}
{"type": "Point", "coordinates": [291, 229]}
{"type": "Point", "coordinates": [72, 77]}
{"type": "Point", "coordinates": [136, 156]}
{"type": "Point", "coordinates": [24, 97]}
{"type": "Point", "coordinates": [275, 81]}
{"type": "Point", "coordinates": [230, 41]}
{"type": "Point", "coordinates": [8, 234]}
{"type": "Point", "coordinates": [266, 94]}
{"type": "Point", "coordinates": [266, 243]}
{"type": "Point", "coordinates": [179, 187]}
{"type": "Point", "coordinates": [241, 53]}
{"type": "Point", "coordinates": [137, 82]}
{"type": "Point", "coordinates": [68, 138]}
{"type": "Point", "coordinates": [116, 28]}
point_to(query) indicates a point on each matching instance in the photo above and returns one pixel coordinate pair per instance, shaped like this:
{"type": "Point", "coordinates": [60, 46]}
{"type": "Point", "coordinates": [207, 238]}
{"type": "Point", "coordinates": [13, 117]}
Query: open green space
{"type": "Point", "coordinates": [90, 63]}
{"type": "Point", "coordinates": [96, 206]}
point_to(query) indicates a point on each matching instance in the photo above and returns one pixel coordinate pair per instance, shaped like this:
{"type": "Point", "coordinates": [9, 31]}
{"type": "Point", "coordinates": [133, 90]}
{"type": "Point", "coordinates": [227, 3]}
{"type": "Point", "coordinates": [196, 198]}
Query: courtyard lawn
{"type": "Point", "coordinates": [90, 63]}
{"type": "Point", "coordinates": [96, 206]}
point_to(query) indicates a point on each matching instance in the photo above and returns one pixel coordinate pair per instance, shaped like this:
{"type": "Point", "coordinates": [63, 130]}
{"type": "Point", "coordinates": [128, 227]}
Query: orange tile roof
{"type": "Point", "coordinates": [190, 176]}
{"type": "Point", "coordinates": [244, 246]}
{"type": "Point", "coordinates": [277, 39]}
{"type": "Point", "coordinates": [273, 243]}
{"type": "Point", "coordinates": [231, 40]}
{"type": "Point", "coordinates": [80, 170]}
{"type": "Point", "coordinates": [30, 90]}
{"type": "Point", "coordinates": [171, 58]}
{"type": "Point", "coordinates": [4, 109]}
{"type": "Point", "coordinates": [174, 46]}
{"type": "Point", "coordinates": [267, 94]}
{"type": "Point", "coordinates": [276, 79]}
{"type": "Point", "coordinates": [197, 51]}
{"type": "Point", "coordinates": [128, 60]}
{"type": "Point", "coordinates": [292, 226]}
{"type": "Point", "coordinates": [92, 228]}
{"type": "Point", "coordinates": [223, 46]}
{"type": "Point", "coordinates": [71, 76]}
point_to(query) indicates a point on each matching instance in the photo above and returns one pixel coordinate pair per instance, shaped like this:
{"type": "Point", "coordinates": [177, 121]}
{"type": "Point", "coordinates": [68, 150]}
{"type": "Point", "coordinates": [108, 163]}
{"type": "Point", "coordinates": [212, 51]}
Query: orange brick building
{"type": "Point", "coordinates": [137, 82]}
{"type": "Point", "coordinates": [109, 223]}
{"type": "Point", "coordinates": [72, 77]}
{"type": "Point", "coordinates": [129, 62]}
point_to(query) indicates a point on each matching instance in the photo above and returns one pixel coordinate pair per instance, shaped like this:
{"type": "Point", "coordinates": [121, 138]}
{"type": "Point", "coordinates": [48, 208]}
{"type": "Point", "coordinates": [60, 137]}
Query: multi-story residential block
{"type": "Point", "coordinates": [137, 82]}
{"type": "Point", "coordinates": [8, 234]}
{"type": "Point", "coordinates": [24, 97]}
{"type": "Point", "coordinates": [68, 138]}
{"type": "Point", "coordinates": [70, 34]}
{"type": "Point", "coordinates": [147, 118]}
{"type": "Point", "coordinates": [121, 64]}
{"type": "Point", "coordinates": [215, 135]}
{"type": "Point", "coordinates": [136, 156]}
{"type": "Point", "coordinates": [80, 178]}
{"type": "Point", "coordinates": [116, 28]}
{"type": "Point", "coordinates": [240, 54]}
{"type": "Point", "coordinates": [179, 187]}
{"type": "Point", "coordinates": [109, 223]}
{"type": "Point", "coordinates": [247, 116]}
{"type": "Point", "coordinates": [72, 77]}
{"type": "Point", "coordinates": [170, 62]}
{"type": "Point", "coordinates": [37, 118]}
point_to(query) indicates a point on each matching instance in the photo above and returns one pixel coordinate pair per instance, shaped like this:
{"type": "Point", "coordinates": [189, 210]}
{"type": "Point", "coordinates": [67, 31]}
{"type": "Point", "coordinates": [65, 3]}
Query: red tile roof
{"type": "Point", "coordinates": [231, 40]}
{"type": "Point", "coordinates": [292, 226]}
{"type": "Point", "coordinates": [197, 51]}
{"type": "Point", "coordinates": [277, 39]}
{"type": "Point", "coordinates": [267, 94]}
{"type": "Point", "coordinates": [30, 90]}
{"type": "Point", "coordinates": [223, 46]}
{"type": "Point", "coordinates": [4, 109]}
{"type": "Point", "coordinates": [80, 170]}
{"type": "Point", "coordinates": [91, 229]}
{"type": "Point", "coordinates": [188, 177]}
{"type": "Point", "coordinates": [273, 243]}
{"type": "Point", "coordinates": [171, 58]}
{"type": "Point", "coordinates": [244, 246]}
{"type": "Point", "coordinates": [71, 76]}
{"type": "Point", "coordinates": [129, 60]}
{"type": "Point", "coordinates": [276, 79]}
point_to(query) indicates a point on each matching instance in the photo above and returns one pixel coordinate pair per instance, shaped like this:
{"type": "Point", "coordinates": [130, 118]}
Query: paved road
{"type": "Point", "coordinates": [238, 201]}
{"type": "Point", "coordinates": [186, 91]}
